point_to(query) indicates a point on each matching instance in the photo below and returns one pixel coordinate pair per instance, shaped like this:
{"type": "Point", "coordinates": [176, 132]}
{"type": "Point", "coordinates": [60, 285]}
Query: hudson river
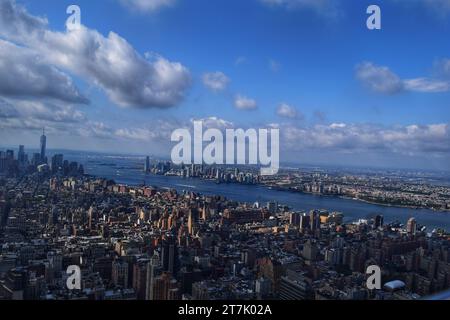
{"type": "Point", "coordinates": [128, 170]}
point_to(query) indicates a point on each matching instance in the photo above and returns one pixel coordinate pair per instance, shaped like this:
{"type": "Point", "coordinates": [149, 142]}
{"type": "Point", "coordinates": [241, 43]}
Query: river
{"type": "Point", "coordinates": [127, 170]}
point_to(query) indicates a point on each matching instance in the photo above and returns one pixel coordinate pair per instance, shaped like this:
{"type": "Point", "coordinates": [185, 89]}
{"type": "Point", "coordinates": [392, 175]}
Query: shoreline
{"type": "Point", "coordinates": [358, 200]}
{"type": "Point", "coordinates": [293, 191]}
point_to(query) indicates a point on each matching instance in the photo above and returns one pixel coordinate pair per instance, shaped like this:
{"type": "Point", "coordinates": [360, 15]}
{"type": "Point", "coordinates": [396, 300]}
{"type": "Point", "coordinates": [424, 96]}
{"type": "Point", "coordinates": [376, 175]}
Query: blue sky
{"type": "Point", "coordinates": [317, 59]}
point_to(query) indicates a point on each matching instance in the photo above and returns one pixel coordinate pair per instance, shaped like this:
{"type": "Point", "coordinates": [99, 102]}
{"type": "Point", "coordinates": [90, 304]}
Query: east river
{"type": "Point", "coordinates": [127, 170]}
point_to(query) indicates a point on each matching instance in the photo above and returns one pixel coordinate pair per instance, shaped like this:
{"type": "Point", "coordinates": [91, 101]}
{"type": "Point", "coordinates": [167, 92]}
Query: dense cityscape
{"type": "Point", "coordinates": [148, 243]}
{"type": "Point", "coordinates": [386, 188]}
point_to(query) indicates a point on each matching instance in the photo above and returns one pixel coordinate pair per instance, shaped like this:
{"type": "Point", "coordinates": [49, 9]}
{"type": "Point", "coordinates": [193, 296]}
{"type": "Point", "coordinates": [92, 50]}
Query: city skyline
{"type": "Point", "coordinates": [335, 89]}
{"type": "Point", "coordinates": [20, 149]}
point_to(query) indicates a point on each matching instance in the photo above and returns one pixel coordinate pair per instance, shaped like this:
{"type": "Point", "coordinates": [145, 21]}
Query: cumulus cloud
{"type": "Point", "coordinates": [93, 129]}
{"type": "Point", "coordinates": [147, 6]}
{"type": "Point", "coordinates": [356, 138]}
{"type": "Point", "coordinates": [17, 23]}
{"type": "Point", "coordinates": [40, 111]}
{"type": "Point", "coordinates": [136, 134]}
{"type": "Point", "coordinates": [286, 111]}
{"type": "Point", "coordinates": [110, 62]}
{"type": "Point", "coordinates": [244, 103]}
{"type": "Point", "coordinates": [24, 74]}
{"type": "Point", "coordinates": [128, 79]}
{"type": "Point", "coordinates": [25, 115]}
{"type": "Point", "coordinates": [162, 129]}
{"type": "Point", "coordinates": [215, 123]}
{"type": "Point", "coordinates": [343, 138]}
{"type": "Point", "coordinates": [381, 79]}
{"type": "Point", "coordinates": [155, 131]}
{"type": "Point", "coordinates": [215, 81]}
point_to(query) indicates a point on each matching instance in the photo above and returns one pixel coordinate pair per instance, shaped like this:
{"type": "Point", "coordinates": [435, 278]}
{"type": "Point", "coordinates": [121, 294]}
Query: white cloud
{"type": "Point", "coordinates": [338, 125]}
{"type": "Point", "coordinates": [24, 74]}
{"type": "Point", "coordinates": [17, 23]}
{"type": "Point", "coordinates": [426, 85]}
{"type": "Point", "coordinates": [136, 134]}
{"type": "Point", "coordinates": [25, 115]}
{"type": "Point", "coordinates": [215, 81]}
{"type": "Point", "coordinates": [40, 111]}
{"type": "Point", "coordinates": [113, 64]}
{"type": "Point", "coordinates": [93, 129]}
{"type": "Point", "coordinates": [381, 79]}
{"type": "Point", "coordinates": [244, 103]}
{"type": "Point", "coordinates": [356, 138]}
{"type": "Point", "coordinates": [146, 5]}
{"type": "Point", "coordinates": [162, 130]}
{"type": "Point", "coordinates": [287, 111]}
{"type": "Point", "coordinates": [215, 123]}
{"type": "Point", "coordinates": [110, 62]}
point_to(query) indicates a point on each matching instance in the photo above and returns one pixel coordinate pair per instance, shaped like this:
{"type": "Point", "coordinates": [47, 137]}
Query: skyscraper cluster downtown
{"type": "Point", "coordinates": [23, 164]}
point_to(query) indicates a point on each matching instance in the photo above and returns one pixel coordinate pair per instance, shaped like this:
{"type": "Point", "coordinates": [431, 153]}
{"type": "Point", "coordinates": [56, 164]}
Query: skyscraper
{"type": "Point", "coordinates": [294, 218]}
{"type": "Point", "coordinates": [153, 269]}
{"type": "Point", "coordinates": [57, 163]}
{"type": "Point", "coordinates": [314, 220]}
{"type": "Point", "coordinates": [411, 226]}
{"type": "Point", "coordinates": [91, 214]}
{"type": "Point", "coordinates": [120, 273]}
{"type": "Point", "coordinates": [190, 223]}
{"type": "Point", "coordinates": [304, 222]}
{"type": "Point", "coordinates": [169, 255]}
{"type": "Point", "coordinates": [43, 146]}
{"type": "Point", "coordinates": [379, 221]}
{"type": "Point", "coordinates": [21, 155]}
{"type": "Point", "coordinates": [147, 164]}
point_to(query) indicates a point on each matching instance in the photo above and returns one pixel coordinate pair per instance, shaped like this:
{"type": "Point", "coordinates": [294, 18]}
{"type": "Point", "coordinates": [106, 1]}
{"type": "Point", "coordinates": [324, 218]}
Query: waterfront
{"type": "Point", "coordinates": [128, 170]}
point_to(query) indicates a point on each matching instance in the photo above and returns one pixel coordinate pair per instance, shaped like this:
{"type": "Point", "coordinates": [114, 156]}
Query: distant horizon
{"type": "Point", "coordinates": [284, 165]}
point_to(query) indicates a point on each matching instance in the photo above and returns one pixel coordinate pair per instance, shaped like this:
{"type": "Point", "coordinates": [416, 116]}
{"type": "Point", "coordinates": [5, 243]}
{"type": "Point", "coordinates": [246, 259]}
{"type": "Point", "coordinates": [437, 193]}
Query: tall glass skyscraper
{"type": "Point", "coordinates": [43, 145]}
